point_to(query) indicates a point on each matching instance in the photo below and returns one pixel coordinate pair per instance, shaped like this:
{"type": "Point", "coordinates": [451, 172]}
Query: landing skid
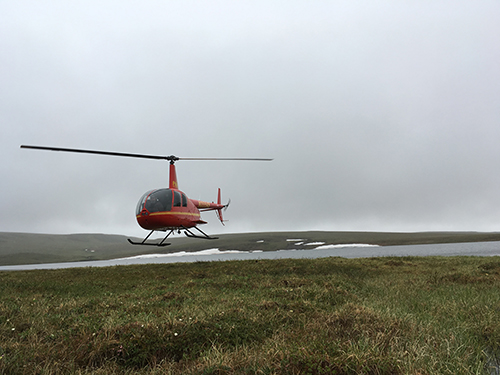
{"type": "Point", "coordinates": [204, 236]}
{"type": "Point", "coordinates": [161, 243]}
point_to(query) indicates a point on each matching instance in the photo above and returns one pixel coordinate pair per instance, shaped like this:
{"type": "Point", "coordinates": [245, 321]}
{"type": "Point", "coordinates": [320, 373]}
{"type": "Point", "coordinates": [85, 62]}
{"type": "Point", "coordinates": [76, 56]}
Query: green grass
{"type": "Point", "coordinates": [411, 315]}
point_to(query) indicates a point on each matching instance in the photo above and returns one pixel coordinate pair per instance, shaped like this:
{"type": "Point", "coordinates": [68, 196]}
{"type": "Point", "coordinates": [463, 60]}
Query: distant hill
{"type": "Point", "coordinates": [30, 248]}
{"type": "Point", "coordinates": [27, 248]}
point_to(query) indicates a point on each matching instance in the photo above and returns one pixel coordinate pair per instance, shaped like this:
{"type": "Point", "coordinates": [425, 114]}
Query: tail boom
{"type": "Point", "coordinates": [211, 206]}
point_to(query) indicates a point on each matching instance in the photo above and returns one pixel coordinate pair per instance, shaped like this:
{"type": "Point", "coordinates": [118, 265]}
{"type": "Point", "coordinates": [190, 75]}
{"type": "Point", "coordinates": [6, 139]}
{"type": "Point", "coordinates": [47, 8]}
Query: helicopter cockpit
{"type": "Point", "coordinates": [161, 200]}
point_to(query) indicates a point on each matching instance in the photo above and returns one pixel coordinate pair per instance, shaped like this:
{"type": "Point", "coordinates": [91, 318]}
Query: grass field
{"type": "Point", "coordinates": [429, 315]}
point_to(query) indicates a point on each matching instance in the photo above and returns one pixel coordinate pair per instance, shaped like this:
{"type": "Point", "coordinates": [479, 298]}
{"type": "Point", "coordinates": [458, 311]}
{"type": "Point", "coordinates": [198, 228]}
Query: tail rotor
{"type": "Point", "coordinates": [224, 207]}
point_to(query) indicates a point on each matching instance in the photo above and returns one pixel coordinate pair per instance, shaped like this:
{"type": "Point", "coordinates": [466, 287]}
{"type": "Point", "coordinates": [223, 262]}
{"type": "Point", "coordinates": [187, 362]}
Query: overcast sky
{"type": "Point", "coordinates": [380, 115]}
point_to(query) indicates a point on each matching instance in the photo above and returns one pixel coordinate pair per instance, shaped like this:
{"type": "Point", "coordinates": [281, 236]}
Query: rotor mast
{"type": "Point", "coordinates": [173, 177]}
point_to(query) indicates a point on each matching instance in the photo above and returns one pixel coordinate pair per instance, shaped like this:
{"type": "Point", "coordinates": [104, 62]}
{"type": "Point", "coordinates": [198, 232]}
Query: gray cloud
{"type": "Point", "coordinates": [380, 116]}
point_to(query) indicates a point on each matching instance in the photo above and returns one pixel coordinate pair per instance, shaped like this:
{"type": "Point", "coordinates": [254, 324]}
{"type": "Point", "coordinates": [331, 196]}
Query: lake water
{"type": "Point", "coordinates": [346, 251]}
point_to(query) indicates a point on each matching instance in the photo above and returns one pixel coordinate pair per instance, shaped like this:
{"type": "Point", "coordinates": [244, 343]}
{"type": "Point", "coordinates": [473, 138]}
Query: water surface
{"type": "Point", "coordinates": [345, 251]}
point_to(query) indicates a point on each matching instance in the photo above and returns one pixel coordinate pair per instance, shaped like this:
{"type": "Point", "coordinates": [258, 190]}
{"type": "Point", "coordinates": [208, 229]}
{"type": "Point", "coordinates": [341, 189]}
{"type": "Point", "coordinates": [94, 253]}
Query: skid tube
{"type": "Point", "coordinates": [205, 236]}
{"type": "Point", "coordinates": [161, 243]}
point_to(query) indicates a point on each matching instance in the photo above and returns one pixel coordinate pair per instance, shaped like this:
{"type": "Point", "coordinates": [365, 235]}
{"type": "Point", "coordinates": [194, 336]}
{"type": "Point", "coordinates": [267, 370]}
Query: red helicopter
{"type": "Point", "coordinates": [166, 210]}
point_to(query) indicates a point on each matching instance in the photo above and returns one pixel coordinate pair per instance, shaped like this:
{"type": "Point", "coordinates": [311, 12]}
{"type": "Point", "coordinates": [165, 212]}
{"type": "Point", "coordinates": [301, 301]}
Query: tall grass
{"type": "Point", "coordinates": [324, 316]}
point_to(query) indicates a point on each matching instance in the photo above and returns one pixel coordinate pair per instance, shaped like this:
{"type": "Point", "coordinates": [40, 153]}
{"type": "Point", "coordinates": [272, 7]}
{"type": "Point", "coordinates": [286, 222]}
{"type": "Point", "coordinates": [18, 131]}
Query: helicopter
{"type": "Point", "coordinates": [166, 209]}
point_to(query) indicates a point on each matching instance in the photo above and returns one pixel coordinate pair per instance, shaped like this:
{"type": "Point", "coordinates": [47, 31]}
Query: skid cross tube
{"type": "Point", "coordinates": [205, 236]}
{"type": "Point", "coordinates": [162, 241]}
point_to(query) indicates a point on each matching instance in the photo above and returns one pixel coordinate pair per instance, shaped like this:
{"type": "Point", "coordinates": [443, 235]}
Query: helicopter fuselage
{"type": "Point", "coordinates": [167, 209]}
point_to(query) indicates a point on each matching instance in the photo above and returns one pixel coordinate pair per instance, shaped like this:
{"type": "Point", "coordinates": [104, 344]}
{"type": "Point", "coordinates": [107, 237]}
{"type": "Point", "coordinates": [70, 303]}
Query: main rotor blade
{"type": "Point", "coordinates": [171, 158]}
{"type": "Point", "coordinates": [238, 159]}
{"type": "Point", "coordinates": [157, 157]}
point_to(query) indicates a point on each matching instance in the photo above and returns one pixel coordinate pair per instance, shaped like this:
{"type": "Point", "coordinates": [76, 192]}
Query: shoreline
{"type": "Point", "coordinates": [28, 248]}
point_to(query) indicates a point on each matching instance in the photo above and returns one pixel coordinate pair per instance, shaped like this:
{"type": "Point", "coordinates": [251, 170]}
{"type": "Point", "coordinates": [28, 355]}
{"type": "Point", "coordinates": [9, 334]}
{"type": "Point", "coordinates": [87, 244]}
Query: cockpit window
{"type": "Point", "coordinates": [156, 201]}
{"type": "Point", "coordinates": [140, 205]}
{"type": "Point", "coordinates": [177, 199]}
{"type": "Point", "coordinates": [184, 200]}
{"type": "Point", "coordinates": [159, 200]}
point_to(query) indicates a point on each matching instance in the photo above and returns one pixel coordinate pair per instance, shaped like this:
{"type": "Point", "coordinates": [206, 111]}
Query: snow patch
{"type": "Point", "coordinates": [323, 247]}
{"type": "Point", "coordinates": [214, 251]}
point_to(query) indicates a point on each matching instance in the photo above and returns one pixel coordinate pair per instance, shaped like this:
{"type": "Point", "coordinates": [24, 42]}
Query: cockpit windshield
{"type": "Point", "coordinates": [155, 201]}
